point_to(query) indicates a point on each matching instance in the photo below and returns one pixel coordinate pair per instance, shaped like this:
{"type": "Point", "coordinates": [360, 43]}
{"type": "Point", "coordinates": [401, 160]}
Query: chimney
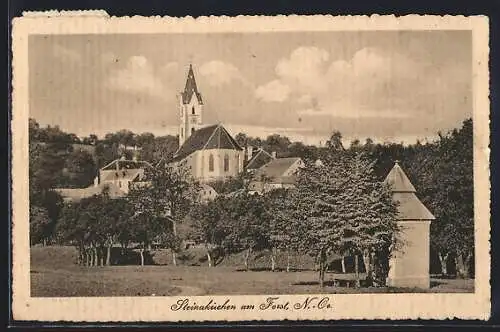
{"type": "Point", "coordinates": [249, 152]}
{"type": "Point", "coordinates": [273, 154]}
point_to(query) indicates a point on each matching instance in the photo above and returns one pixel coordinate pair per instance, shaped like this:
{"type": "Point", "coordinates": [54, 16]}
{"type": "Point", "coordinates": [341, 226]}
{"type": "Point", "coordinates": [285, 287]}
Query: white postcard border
{"type": "Point", "coordinates": [344, 306]}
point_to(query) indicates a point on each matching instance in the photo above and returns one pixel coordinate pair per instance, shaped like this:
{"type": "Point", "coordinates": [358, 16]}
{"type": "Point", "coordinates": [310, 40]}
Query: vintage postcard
{"type": "Point", "coordinates": [250, 168]}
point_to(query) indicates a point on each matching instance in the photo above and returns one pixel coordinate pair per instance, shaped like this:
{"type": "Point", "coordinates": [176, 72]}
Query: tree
{"type": "Point", "coordinates": [211, 227]}
{"type": "Point", "coordinates": [248, 220]}
{"type": "Point", "coordinates": [164, 202]}
{"type": "Point", "coordinates": [39, 222]}
{"type": "Point", "coordinates": [276, 143]}
{"type": "Point", "coordinates": [115, 222]}
{"type": "Point", "coordinates": [80, 169]}
{"type": "Point", "coordinates": [341, 208]}
{"type": "Point", "coordinates": [444, 180]}
{"type": "Point", "coordinates": [335, 142]}
{"type": "Point", "coordinates": [279, 231]}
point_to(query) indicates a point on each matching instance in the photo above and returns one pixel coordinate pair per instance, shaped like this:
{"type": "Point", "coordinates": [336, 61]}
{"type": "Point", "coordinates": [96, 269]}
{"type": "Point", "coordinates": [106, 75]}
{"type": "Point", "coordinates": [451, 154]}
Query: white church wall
{"type": "Point", "coordinates": [201, 167]}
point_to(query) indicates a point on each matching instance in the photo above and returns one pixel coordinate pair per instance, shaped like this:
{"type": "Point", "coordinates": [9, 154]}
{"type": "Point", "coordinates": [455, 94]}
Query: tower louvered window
{"type": "Point", "coordinates": [211, 163]}
{"type": "Point", "coordinates": [192, 110]}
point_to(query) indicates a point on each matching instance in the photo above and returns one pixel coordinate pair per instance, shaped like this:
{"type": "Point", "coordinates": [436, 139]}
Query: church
{"type": "Point", "coordinates": [210, 152]}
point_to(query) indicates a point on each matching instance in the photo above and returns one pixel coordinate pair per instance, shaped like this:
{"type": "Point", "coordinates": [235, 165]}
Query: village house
{"type": "Point", "coordinates": [118, 177]}
{"type": "Point", "coordinates": [278, 173]}
{"type": "Point", "coordinates": [257, 159]}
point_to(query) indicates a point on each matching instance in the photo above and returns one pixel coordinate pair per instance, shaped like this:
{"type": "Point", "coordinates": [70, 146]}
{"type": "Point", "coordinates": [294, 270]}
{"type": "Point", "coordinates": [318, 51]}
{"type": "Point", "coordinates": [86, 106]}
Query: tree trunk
{"type": "Point", "coordinates": [96, 257]}
{"type": "Point", "coordinates": [209, 259]}
{"type": "Point", "coordinates": [273, 259]}
{"type": "Point", "coordinates": [366, 261]}
{"type": "Point", "coordinates": [467, 264]}
{"type": "Point", "coordinates": [101, 256]}
{"type": "Point", "coordinates": [321, 275]}
{"type": "Point", "coordinates": [174, 231]}
{"type": "Point", "coordinates": [108, 255]}
{"type": "Point", "coordinates": [356, 270]}
{"type": "Point", "coordinates": [461, 266]}
{"type": "Point", "coordinates": [247, 255]}
{"type": "Point", "coordinates": [91, 254]}
{"type": "Point", "coordinates": [443, 260]}
{"type": "Point", "coordinates": [141, 253]}
{"type": "Point", "coordinates": [342, 263]}
{"type": "Point", "coordinates": [174, 258]}
{"type": "Point", "coordinates": [288, 260]}
{"type": "Point", "coordinates": [87, 257]}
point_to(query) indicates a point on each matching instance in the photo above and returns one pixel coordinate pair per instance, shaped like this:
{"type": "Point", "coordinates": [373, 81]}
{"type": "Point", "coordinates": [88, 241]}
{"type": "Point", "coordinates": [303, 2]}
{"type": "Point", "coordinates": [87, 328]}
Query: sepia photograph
{"type": "Point", "coordinates": [198, 165]}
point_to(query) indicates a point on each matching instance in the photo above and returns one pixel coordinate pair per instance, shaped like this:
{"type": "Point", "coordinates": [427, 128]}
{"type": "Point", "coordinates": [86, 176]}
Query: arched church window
{"type": "Point", "coordinates": [226, 163]}
{"type": "Point", "coordinates": [211, 163]}
{"type": "Point", "coordinates": [192, 110]}
{"type": "Point", "coordinates": [192, 131]}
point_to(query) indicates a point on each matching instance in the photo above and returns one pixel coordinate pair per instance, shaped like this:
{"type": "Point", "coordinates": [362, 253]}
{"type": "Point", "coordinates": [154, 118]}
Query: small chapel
{"type": "Point", "coordinates": [210, 152]}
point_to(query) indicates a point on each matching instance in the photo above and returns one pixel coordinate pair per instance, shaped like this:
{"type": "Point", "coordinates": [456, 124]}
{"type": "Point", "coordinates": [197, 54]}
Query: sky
{"type": "Point", "coordinates": [392, 86]}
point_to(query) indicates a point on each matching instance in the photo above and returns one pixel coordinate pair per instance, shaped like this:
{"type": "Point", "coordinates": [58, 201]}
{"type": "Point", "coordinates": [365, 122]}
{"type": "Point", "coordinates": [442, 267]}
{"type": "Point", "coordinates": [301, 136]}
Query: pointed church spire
{"type": "Point", "coordinates": [191, 88]}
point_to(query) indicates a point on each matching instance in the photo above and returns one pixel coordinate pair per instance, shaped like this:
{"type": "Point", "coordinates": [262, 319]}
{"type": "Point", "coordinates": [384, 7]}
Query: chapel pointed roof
{"type": "Point", "coordinates": [403, 191]}
{"type": "Point", "coordinates": [398, 180]}
{"type": "Point", "coordinates": [191, 88]}
{"type": "Point", "coordinates": [206, 138]}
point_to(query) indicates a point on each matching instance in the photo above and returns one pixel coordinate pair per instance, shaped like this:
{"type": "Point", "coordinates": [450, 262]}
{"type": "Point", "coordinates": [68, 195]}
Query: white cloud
{"type": "Point", "coordinates": [273, 91]}
{"type": "Point", "coordinates": [218, 73]}
{"type": "Point", "coordinates": [169, 68]}
{"type": "Point", "coordinates": [303, 70]}
{"type": "Point", "coordinates": [371, 83]}
{"type": "Point", "coordinates": [138, 76]}
{"type": "Point", "coordinates": [305, 99]}
{"type": "Point", "coordinates": [355, 113]}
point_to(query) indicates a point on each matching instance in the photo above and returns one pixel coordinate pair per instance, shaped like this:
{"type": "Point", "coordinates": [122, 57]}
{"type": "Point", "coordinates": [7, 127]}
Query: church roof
{"type": "Point", "coordinates": [276, 169]}
{"type": "Point", "coordinates": [259, 159]}
{"type": "Point", "coordinates": [409, 206]}
{"type": "Point", "coordinates": [190, 89]}
{"type": "Point", "coordinates": [211, 137]}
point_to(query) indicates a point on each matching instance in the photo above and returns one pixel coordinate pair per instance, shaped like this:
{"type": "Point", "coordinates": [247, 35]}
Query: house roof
{"type": "Point", "coordinates": [276, 168]}
{"type": "Point", "coordinates": [410, 207]}
{"type": "Point", "coordinates": [123, 174]}
{"type": "Point", "coordinates": [190, 89]}
{"type": "Point", "coordinates": [211, 137]}
{"type": "Point", "coordinates": [259, 159]}
{"type": "Point", "coordinates": [76, 194]}
{"type": "Point", "coordinates": [398, 180]}
{"type": "Point", "coordinates": [126, 164]}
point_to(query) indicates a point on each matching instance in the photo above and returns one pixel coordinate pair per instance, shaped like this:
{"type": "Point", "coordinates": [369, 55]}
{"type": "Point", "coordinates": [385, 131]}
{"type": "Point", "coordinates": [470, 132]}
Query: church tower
{"type": "Point", "coordinates": [190, 108]}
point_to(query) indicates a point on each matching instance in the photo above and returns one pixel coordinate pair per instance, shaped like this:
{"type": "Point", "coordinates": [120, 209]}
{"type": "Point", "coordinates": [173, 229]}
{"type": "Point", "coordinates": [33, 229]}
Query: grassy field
{"type": "Point", "coordinates": [54, 274]}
